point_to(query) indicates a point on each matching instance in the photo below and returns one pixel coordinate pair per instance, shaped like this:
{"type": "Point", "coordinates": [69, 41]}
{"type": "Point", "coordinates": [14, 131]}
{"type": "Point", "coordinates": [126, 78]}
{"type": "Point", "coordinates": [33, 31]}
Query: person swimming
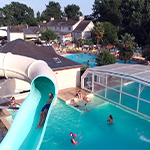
{"type": "Point", "coordinates": [75, 142]}
{"type": "Point", "coordinates": [72, 135]}
{"type": "Point", "coordinates": [110, 119]}
{"type": "Point", "coordinates": [73, 103]}
{"type": "Point", "coordinates": [85, 107]}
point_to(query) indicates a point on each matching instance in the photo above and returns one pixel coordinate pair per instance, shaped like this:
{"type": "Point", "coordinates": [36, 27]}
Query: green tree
{"type": "Point", "coordinates": [98, 32]}
{"type": "Point", "coordinates": [132, 16]}
{"type": "Point", "coordinates": [89, 42]}
{"type": "Point", "coordinates": [52, 10]}
{"type": "Point", "coordinates": [146, 52]}
{"type": "Point", "coordinates": [136, 19]}
{"type": "Point", "coordinates": [107, 10]}
{"type": "Point", "coordinates": [110, 34]}
{"type": "Point", "coordinates": [1, 17]}
{"type": "Point", "coordinates": [126, 47]}
{"type": "Point", "coordinates": [88, 17]}
{"type": "Point", "coordinates": [126, 52]}
{"type": "Point", "coordinates": [72, 11]}
{"type": "Point", "coordinates": [79, 42]}
{"type": "Point", "coordinates": [48, 35]}
{"type": "Point", "coordinates": [38, 17]}
{"type": "Point", "coordinates": [17, 14]}
{"type": "Point", "coordinates": [128, 39]}
{"type": "Point", "coordinates": [105, 58]}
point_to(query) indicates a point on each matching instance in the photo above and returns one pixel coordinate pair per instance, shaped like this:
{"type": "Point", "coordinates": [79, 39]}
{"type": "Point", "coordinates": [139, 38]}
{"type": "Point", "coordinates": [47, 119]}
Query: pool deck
{"type": "Point", "coordinates": [67, 94]}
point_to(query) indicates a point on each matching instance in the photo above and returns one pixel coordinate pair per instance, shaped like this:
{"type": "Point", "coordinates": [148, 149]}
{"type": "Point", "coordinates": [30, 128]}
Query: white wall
{"type": "Point", "coordinates": [86, 34]}
{"type": "Point", "coordinates": [89, 27]}
{"type": "Point", "coordinates": [14, 36]}
{"type": "Point", "coordinates": [11, 86]}
{"type": "Point", "coordinates": [61, 29]}
{"type": "Point", "coordinates": [68, 78]}
{"type": "Point", "coordinates": [77, 35]}
{"type": "Point", "coordinates": [2, 32]}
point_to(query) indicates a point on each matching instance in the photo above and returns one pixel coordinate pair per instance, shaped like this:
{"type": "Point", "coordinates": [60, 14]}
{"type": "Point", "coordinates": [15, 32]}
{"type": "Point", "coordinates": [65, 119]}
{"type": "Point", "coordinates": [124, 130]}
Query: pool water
{"type": "Point", "coordinates": [12, 112]}
{"type": "Point", "coordinates": [94, 101]}
{"type": "Point", "coordinates": [84, 57]}
{"type": "Point", "coordinates": [129, 101]}
{"type": "Point", "coordinates": [128, 62]}
{"type": "Point", "coordinates": [128, 131]}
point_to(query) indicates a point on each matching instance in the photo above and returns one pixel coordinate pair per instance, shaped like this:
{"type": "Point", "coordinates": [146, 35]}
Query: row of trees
{"type": "Point", "coordinates": [20, 14]}
{"type": "Point", "coordinates": [128, 16]}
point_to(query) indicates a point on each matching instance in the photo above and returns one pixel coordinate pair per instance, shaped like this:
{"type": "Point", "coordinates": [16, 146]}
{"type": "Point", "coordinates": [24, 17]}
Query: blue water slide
{"type": "Point", "coordinates": [22, 134]}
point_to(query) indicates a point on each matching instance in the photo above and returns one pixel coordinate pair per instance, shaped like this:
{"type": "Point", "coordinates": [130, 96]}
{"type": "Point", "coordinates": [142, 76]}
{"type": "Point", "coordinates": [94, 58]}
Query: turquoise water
{"type": "Point", "coordinates": [83, 58]}
{"type": "Point", "coordinates": [127, 132]}
{"type": "Point", "coordinates": [12, 112]}
{"type": "Point", "coordinates": [128, 62]}
{"type": "Point", "coordinates": [129, 101]}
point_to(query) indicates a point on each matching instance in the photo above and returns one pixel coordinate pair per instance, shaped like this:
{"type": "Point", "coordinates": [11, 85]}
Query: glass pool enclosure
{"type": "Point", "coordinates": [123, 84]}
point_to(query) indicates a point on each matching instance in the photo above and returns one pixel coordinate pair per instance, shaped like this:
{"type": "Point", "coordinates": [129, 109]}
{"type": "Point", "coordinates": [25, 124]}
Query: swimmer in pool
{"type": "Point", "coordinates": [110, 119]}
{"type": "Point", "coordinates": [75, 142]}
{"type": "Point", "coordinates": [72, 135]}
{"type": "Point", "coordinates": [85, 107]}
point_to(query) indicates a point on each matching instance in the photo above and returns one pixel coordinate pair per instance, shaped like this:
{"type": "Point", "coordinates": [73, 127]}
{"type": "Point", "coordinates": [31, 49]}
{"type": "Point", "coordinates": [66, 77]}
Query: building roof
{"type": "Point", "coordinates": [82, 25]}
{"type": "Point", "coordinates": [67, 23]}
{"type": "Point", "coordinates": [47, 53]}
{"type": "Point", "coordinates": [37, 29]}
{"type": "Point", "coordinates": [62, 33]}
{"type": "Point", "coordinates": [27, 31]}
{"type": "Point", "coordinates": [17, 29]}
{"type": "Point", "coordinates": [136, 72]}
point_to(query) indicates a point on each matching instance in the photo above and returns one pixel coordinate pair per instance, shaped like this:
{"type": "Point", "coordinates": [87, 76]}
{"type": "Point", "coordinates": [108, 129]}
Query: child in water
{"type": "Point", "coordinates": [75, 142]}
{"type": "Point", "coordinates": [110, 119]}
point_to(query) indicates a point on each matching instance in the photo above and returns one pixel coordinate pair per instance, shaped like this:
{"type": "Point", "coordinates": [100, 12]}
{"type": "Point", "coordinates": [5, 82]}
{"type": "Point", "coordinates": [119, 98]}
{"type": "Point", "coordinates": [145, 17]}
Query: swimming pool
{"type": "Point", "coordinates": [127, 132]}
{"type": "Point", "coordinates": [84, 57]}
{"type": "Point", "coordinates": [12, 112]}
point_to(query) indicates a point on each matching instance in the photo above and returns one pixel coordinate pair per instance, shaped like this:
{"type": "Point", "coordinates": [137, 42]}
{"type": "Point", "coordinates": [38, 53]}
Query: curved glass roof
{"type": "Point", "coordinates": [137, 72]}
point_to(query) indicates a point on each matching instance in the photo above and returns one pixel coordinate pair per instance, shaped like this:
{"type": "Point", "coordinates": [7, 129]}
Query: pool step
{"type": "Point", "coordinates": [5, 122]}
{"type": "Point", "coordinates": [6, 113]}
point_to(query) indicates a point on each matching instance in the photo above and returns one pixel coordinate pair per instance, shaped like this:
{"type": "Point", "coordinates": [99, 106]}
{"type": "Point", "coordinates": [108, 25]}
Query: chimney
{"type": "Point", "coordinates": [27, 26]}
{"type": "Point", "coordinates": [44, 21]}
{"type": "Point", "coordinates": [81, 18]}
{"type": "Point", "coordinates": [52, 18]}
{"type": "Point", "coordinates": [39, 25]}
{"type": "Point", "coordinates": [66, 18]}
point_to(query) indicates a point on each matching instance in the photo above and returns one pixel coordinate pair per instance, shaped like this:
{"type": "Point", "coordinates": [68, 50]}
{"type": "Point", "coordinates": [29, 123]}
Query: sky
{"type": "Point", "coordinates": [39, 5]}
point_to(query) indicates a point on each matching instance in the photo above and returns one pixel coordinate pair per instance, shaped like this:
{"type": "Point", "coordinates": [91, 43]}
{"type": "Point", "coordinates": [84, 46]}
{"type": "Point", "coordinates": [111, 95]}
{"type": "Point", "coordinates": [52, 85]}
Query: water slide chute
{"type": "Point", "coordinates": [22, 133]}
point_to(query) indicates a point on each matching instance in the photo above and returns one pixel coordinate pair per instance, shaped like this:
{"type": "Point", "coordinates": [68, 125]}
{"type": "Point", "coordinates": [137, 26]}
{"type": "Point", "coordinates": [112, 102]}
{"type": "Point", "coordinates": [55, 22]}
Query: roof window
{"type": "Point", "coordinates": [57, 60]}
